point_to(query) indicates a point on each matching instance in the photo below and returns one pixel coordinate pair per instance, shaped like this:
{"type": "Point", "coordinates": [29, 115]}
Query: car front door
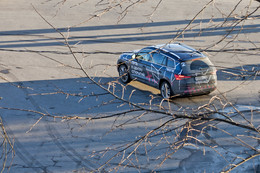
{"type": "Point", "coordinates": [139, 65]}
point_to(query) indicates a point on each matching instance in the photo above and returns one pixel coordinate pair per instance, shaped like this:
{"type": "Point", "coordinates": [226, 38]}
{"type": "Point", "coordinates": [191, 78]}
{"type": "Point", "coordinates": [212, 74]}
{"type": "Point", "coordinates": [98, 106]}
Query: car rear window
{"type": "Point", "coordinates": [197, 65]}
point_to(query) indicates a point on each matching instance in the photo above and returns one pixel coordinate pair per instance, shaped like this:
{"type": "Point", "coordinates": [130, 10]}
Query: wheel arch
{"type": "Point", "coordinates": [121, 62]}
{"type": "Point", "coordinates": [163, 80]}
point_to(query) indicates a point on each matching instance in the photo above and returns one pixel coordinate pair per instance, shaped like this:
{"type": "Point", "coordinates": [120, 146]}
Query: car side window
{"type": "Point", "coordinates": [174, 64]}
{"type": "Point", "coordinates": [158, 58]}
{"type": "Point", "coordinates": [171, 63]}
{"type": "Point", "coordinates": [145, 54]}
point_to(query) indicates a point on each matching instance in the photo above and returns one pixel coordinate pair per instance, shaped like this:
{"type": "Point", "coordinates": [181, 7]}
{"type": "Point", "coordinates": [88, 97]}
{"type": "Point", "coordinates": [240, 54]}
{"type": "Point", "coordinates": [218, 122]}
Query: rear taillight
{"type": "Point", "coordinates": [181, 77]}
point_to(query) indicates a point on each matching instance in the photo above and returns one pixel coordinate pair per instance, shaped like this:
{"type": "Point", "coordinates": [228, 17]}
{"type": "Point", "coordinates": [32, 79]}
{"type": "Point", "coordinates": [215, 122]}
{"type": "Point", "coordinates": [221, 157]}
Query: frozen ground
{"type": "Point", "coordinates": [37, 73]}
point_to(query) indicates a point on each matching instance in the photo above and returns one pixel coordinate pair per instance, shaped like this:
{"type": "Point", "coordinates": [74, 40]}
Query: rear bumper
{"type": "Point", "coordinates": [199, 89]}
{"type": "Point", "coordinates": [185, 88]}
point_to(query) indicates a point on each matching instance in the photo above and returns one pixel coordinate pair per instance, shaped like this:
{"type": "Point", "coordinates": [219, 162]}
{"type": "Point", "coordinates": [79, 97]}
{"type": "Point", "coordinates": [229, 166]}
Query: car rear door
{"type": "Point", "coordinates": [156, 70]}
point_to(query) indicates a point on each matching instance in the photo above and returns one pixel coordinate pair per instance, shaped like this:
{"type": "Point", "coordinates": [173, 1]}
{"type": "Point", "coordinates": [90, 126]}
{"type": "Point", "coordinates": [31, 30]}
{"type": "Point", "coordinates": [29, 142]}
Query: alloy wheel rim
{"type": "Point", "coordinates": [123, 73]}
{"type": "Point", "coordinates": [166, 91]}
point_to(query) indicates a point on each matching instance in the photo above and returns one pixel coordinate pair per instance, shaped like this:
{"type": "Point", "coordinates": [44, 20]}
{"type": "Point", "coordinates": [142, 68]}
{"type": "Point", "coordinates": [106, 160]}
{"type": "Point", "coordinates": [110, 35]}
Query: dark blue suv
{"type": "Point", "coordinates": [175, 69]}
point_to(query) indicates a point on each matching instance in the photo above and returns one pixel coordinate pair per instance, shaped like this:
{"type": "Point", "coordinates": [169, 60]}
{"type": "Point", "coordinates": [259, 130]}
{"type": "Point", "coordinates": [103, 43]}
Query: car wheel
{"type": "Point", "coordinates": [165, 89]}
{"type": "Point", "coordinates": [123, 74]}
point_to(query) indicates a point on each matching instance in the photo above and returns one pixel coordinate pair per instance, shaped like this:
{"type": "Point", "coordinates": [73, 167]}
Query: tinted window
{"type": "Point", "coordinates": [164, 62]}
{"type": "Point", "coordinates": [171, 63]}
{"type": "Point", "coordinates": [145, 54]}
{"type": "Point", "coordinates": [158, 59]}
{"type": "Point", "coordinates": [198, 64]}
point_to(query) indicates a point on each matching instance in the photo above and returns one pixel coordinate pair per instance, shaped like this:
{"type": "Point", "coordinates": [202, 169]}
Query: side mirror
{"type": "Point", "coordinates": [134, 56]}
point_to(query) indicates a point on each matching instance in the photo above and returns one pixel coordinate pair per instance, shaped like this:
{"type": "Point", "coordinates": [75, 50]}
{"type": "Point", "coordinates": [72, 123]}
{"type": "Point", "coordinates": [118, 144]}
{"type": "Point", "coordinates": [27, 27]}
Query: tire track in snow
{"type": "Point", "coordinates": [67, 149]}
{"type": "Point", "coordinates": [22, 153]}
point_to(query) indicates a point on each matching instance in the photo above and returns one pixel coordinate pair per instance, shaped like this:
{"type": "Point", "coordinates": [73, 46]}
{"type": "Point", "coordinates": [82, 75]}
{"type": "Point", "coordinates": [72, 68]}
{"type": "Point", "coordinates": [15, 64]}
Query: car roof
{"type": "Point", "coordinates": [180, 50]}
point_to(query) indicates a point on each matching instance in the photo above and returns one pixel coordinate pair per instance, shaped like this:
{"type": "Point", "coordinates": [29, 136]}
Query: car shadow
{"type": "Point", "coordinates": [82, 96]}
{"type": "Point", "coordinates": [70, 96]}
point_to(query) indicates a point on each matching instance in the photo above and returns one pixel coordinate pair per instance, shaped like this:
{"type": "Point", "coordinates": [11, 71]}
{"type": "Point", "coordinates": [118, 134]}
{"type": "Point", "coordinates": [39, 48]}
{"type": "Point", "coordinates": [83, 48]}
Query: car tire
{"type": "Point", "coordinates": [165, 89]}
{"type": "Point", "coordinates": [124, 74]}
